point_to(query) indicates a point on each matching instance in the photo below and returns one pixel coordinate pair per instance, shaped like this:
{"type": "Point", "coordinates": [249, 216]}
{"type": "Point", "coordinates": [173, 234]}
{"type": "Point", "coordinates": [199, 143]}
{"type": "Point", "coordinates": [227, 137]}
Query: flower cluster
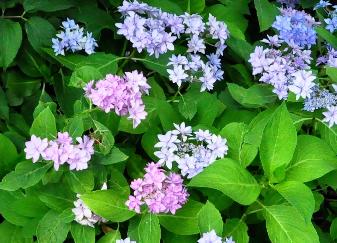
{"type": "Point", "coordinates": [195, 65]}
{"type": "Point", "coordinates": [284, 68]}
{"type": "Point", "coordinates": [61, 150]}
{"type": "Point", "coordinates": [329, 59]}
{"type": "Point", "coordinates": [121, 94]}
{"type": "Point", "coordinates": [83, 214]}
{"type": "Point", "coordinates": [153, 30]}
{"type": "Point", "coordinates": [320, 98]}
{"type": "Point", "coordinates": [212, 237]}
{"type": "Point", "coordinates": [72, 38]}
{"type": "Point", "coordinates": [296, 27]}
{"type": "Point", "coordinates": [192, 151]}
{"type": "Point", "coordinates": [160, 192]}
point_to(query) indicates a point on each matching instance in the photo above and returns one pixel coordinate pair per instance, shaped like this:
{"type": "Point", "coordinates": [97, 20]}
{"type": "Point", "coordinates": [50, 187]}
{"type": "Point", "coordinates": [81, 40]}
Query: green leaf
{"type": "Point", "coordinates": [104, 63]}
{"type": "Point", "coordinates": [8, 153]}
{"type": "Point", "coordinates": [10, 41]}
{"type": "Point", "coordinates": [237, 229]}
{"type": "Point", "coordinates": [114, 157]}
{"type": "Point", "coordinates": [80, 181]}
{"type": "Point", "coordinates": [57, 196]}
{"type": "Point", "coordinates": [106, 140]}
{"type": "Point", "coordinates": [26, 174]}
{"type": "Point", "coordinates": [110, 237]}
{"type": "Point", "coordinates": [44, 125]}
{"type": "Point", "coordinates": [257, 126]}
{"type": "Point", "coordinates": [195, 6]}
{"type": "Point", "coordinates": [327, 36]}
{"type": "Point", "coordinates": [47, 5]}
{"type": "Point", "coordinates": [109, 204]}
{"type": "Point", "coordinates": [256, 96]}
{"type": "Point", "coordinates": [83, 75]}
{"type": "Point", "coordinates": [76, 127]}
{"type": "Point", "coordinates": [328, 134]}
{"type": "Point", "coordinates": [240, 47]}
{"type": "Point", "coordinates": [266, 13]}
{"type": "Point", "coordinates": [52, 228]}
{"type": "Point", "coordinates": [285, 224]}
{"type": "Point", "coordinates": [239, 150]}
{"type": "Point", "coordinates": [149, 229]}
{"type": "Point", "coordinates": [82, 234]}
{"type": "Point", "coordinates": [278, 143]}
{"type": "Point", "coordinates": [332, 73]}
{"type": "Point", "coordinates": [188, 108]}
{"type": "Point", "coordinates": [210, 219]}
{"type": "Point", "coordinates": [299, 196]}
{"type": "Point", "coordinates": [185, 221]}
{"type": "Point", "coordinates": [313, 158]}
{"type": "Point", "coordinates": [333, 229]}
{"type": "Point", "coordinates": [167, 114]}
{"type": "Point", "coordinates": [12, 234]}
{"type": "Point", "coordinates": [149, 139]}
{"type": "Point", "coordinates": [230, 178]}
{"type": "Point", "coordinates": [39, 32]}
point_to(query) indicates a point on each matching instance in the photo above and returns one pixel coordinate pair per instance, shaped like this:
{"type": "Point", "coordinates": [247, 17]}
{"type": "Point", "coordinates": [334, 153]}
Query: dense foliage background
{"type": "Point", "coordinates": [276, 184]}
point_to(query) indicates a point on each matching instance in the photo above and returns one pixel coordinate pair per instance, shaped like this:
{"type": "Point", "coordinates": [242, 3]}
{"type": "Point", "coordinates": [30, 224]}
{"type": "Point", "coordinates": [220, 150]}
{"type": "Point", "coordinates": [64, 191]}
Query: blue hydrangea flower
{"type": "Point", "coordinates": [73, 39]}
{"type": "Point", "coordinates": [296, 27]}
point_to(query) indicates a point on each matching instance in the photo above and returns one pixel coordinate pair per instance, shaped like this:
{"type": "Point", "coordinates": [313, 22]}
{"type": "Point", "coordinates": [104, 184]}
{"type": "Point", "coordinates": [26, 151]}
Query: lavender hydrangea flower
{"type": "Point", "coordinates": [302, 83]}
{"type": "Point", "coordinates": [210, 237]}
{"type": "Point", "coordinates": [35, 148]}
{"type": "Point", "coordinates": [61, 151]}
{"type": "Point", "coordinates": [83, 214]}
{"type": "Point", "coordinates": [72, 38]}
{"type": "Point", "coordinates": [278, 64]}
{"type": "Point", "coordinates": [160, 192]}
{"type": "Point", "coordinates": [121, 94]}
{"type": "Point", "coordinates": [330, 116]}
{"type": "Point", "coordinates": [192, 151]}
{"type": "Point", "coordinates": [149, 28]}
{"type": "Point", "coordinates": [296, 27]}
{"type": "Point", "coordinates": [127, 240]}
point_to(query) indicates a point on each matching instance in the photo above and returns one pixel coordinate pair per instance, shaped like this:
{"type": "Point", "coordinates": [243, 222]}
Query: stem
{"type": "Point", "coordinates": [126, 60]}
{"type": "Point", "coordinates": [13, 17]}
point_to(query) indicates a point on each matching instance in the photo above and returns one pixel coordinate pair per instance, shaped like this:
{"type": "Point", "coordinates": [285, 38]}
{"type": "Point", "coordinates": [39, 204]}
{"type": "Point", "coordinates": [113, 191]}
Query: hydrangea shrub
{"type": "Point", "coordinates": [129, 121]}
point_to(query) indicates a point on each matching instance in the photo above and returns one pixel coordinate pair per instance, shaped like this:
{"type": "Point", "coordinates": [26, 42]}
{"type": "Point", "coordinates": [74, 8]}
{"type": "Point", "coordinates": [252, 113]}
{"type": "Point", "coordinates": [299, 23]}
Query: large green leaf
{"type": "Point", "coordinates": [12, 234]}
{"type": "Point", "coordinates": [104, 63]}
{"type": "Point", "coordinates": [327, 36]}
{"type": "Point", "coordinates": [266, 13]}
{"type": "Point", "coordinates": [82, 234]}
{"type": "Point", "coordinates": [149, 229]}
{"type": "Point", "coordinates": [39, 32]}
{"type": "Point", "coordinates": [106, 140]}
{"type": "Point", "coordinates": [256, 96]}
{"type": "Point", "coordinates": [227, 176]}
{"type": "Point", "coordinates": [210, 219]}
{"type": "Point", "coordinates": [299, 196]}
{"type": "Point", "coordinates": [238, 149]}
{"type": "Point", "coordinates": [52, 228]}
{"type": "Point", "coordinates": [80, 181]}
{"type": "Point", "coordinates": [26, 174]}
{"type": "Point", "coordinates": [8, 153]}
{"type": "Point", "coordinates": [44, 125]}
{"type": "Point", "coordinates": [278, 143]}
{"type": "Point", "coordinates": [10, 41]}
{"type": "Point", "coordinates": [83, 75]}
{"type": "Point", "coordinates": [313, 158]}
{"type": "Point", "coordinates": [185, 221]}
{"type": "Point", "coordinates": [109, 204]}
{"type": "Point", "coordinates": [285, 224]}
{"type": "Point", "coordinates": [47, 5]}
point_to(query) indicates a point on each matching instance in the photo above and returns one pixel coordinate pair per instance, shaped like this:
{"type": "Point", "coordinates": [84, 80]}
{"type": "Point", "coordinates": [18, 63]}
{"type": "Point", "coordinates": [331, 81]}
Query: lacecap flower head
{"type": "Point", "coordinates": [73, 38]}
{"type": "Point", "coordinates": [191, 151]}
{"type": "Point", "coordinates": [121, 94]}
